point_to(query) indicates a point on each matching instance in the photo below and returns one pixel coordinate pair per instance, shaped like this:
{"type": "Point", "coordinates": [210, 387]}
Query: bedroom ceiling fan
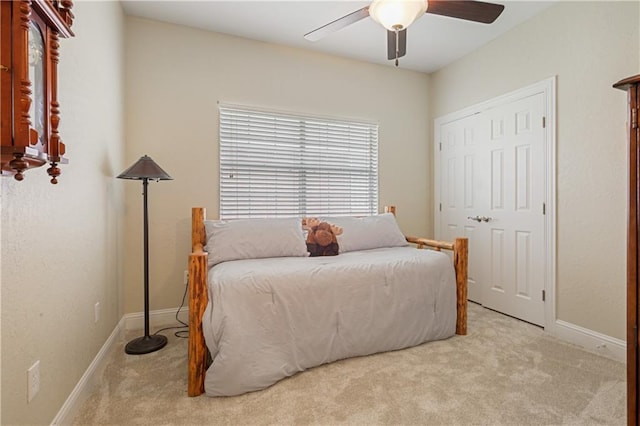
{"type": "Point", "coordinates": [397, 15]}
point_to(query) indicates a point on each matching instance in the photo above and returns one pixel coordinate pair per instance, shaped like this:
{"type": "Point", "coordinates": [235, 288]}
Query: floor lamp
{"type": "Point", "coordinates": [145, 169]}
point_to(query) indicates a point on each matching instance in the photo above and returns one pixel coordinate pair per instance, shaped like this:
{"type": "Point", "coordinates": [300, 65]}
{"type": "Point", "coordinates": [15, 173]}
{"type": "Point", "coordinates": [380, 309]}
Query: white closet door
{"type": "Point", "coordinates": [462, 187]}
{"type": "Point", "coordinates": [492, 191]}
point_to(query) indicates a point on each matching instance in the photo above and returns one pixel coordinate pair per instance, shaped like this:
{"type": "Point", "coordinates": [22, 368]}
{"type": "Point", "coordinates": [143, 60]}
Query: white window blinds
{"type": "Point", "coordinates": [278, 165]}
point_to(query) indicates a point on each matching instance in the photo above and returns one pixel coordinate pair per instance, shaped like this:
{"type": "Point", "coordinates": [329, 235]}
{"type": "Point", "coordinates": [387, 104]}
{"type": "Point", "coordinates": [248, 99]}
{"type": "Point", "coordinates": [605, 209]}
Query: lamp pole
{"type": "Point", "coordinates": [146, 343]}
{"type": "Point", "coordinates": [145, 184]}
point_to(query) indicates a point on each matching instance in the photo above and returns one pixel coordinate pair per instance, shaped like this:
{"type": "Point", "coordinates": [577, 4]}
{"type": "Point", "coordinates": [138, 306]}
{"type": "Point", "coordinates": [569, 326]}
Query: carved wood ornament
{"type": "Point", "coordinates": [29, 108]}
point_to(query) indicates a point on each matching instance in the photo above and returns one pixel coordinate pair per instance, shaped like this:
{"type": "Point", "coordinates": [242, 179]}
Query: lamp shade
{"type": "Point", "coordinates": [145, 168]}
{"type": "Point", "coordinates": [397, 14]}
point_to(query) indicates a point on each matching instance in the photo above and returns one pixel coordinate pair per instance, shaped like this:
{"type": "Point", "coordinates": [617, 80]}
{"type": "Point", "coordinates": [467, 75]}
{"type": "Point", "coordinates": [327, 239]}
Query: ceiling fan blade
{"type": "Point", "coordinates": [477, 11]}
{"type": "Point", "coordinates": [338, 24]}
{"type": "Point", "coordinates": [391, 44]}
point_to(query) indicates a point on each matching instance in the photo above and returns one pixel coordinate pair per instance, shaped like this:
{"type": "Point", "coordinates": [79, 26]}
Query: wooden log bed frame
{"type": "Point", "coordinates": [198, 292]}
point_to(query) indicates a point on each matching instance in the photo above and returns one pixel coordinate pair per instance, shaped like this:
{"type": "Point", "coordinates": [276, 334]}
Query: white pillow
{"type": "Point", "coordinates": [254, 239]}
{"type": "Point", "coordinates": [369, 232]}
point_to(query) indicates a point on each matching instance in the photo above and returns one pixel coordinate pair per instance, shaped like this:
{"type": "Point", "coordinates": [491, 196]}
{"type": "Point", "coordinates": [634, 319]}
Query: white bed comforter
{"type": "Point", "coordinates": [271, 318]}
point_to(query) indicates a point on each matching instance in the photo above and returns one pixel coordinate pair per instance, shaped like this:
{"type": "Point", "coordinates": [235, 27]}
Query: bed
{"type": "Point", "coordinates": [270, 318]}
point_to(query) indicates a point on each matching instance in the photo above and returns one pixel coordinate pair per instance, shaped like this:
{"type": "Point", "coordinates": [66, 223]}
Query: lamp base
{"type": "Point", "coordinates": [145, 344]}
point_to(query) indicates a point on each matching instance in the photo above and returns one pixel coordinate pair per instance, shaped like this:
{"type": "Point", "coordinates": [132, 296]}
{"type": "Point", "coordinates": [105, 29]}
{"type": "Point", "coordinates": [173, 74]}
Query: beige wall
{"type": "Point", "coordinates": [175, 77]}
{"type": "Point", "coordinates": [60, 244]}
{"type": "Point", "coordinates": [589, 46]}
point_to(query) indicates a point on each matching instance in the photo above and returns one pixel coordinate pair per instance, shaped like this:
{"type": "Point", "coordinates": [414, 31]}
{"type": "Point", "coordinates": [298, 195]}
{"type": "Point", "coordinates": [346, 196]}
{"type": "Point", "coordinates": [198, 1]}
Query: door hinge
{"type": "Point", "coordinates": [544, 208]}
{"type": "Point", "coordinates": [544, 295]}
{"type": "Point", "coordinates": [544, 122]}
{"type": "Point", "coordinates": [635, 335]}
{"type": "Point", "coordinates": [440, 207]}
{"type": "Point", "coordinates": [440, 146]}
{"type": "Point", "coordinates": [634, 118]}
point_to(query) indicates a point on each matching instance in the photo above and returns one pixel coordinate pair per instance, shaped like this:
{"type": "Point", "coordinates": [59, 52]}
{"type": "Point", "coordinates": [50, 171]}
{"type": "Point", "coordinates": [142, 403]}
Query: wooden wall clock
{"type": "Point", "coordinates": [30, 113]}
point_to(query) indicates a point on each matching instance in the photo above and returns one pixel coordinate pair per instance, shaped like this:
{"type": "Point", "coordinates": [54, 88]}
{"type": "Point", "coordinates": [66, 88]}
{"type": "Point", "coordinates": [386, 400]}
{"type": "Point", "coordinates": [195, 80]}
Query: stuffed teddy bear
{"type": "Point", "coordinates": [321, 237]}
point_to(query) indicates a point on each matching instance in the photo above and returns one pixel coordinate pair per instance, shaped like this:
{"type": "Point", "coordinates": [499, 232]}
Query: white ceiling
{"type": "Point", "coordinates": [432, 41]}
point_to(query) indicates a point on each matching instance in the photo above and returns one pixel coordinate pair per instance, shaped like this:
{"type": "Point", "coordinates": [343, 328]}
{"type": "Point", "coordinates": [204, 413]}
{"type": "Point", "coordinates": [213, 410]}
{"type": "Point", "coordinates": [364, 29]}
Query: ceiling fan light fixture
{"type": "Point", "coordinates": [397, 14]}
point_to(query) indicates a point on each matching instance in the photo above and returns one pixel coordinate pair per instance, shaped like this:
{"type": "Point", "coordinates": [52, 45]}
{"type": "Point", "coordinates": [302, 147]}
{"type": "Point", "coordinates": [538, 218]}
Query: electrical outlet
{"type": "Point", "coordinates": [33, 380]}
{"type": "Point", "coordinates": [96, 312]}
{"type": "Point", "coordinates": [185, 278]}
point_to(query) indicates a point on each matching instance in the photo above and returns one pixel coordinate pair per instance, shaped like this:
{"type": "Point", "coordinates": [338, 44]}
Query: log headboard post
{"type": "Point", "coordinates": [460, 261]}
{"type": "Point", "coordinates": [198, 298]}
{"type": "Point", "coordinates": [198, 233]}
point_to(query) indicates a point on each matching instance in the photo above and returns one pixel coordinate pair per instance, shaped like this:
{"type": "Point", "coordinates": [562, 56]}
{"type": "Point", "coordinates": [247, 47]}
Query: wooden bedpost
{"type": "Point", "coordinates": [198, 298]}
{"type": "Point", "coordinates": [460, 256]}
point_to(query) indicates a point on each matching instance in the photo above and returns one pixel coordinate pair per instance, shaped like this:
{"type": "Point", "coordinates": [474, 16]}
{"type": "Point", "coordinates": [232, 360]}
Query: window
{"type": "Point", "coordinates": [281, 165]}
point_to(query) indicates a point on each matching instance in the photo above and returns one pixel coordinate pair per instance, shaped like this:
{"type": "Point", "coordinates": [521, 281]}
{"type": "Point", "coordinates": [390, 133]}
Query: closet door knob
{"type": "Point", "coordinates": [477, 218]}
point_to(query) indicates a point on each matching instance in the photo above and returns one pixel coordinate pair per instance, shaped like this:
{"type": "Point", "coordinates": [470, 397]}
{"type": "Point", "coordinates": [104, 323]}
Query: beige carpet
{"type": "Point", "coordinates": [505, 372]}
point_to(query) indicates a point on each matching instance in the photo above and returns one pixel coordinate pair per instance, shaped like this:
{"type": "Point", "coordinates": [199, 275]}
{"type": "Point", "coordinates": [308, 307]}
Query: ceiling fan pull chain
{"type": "Point", "coordinates": [397, 44]}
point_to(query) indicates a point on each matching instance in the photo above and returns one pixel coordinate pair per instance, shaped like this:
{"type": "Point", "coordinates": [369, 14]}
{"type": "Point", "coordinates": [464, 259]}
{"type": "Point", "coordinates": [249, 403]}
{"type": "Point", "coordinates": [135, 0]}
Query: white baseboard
{"type": "Point", "coordinates": [159, 318]}
{"type": "Point", "coordinates": [591, 341]}
{"type": "Point", "coordinates": [83, 389]}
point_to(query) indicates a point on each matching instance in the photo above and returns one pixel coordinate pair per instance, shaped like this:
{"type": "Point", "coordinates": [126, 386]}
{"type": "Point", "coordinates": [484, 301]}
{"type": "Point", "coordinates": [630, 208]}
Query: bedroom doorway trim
{"type": "Point", "coordinates": [547, 88]}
